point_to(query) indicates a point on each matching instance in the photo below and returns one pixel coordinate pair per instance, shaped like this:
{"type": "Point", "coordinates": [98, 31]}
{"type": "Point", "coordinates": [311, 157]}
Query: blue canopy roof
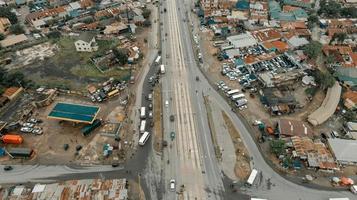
{"type": "Point", "coordinates": [74, 112]}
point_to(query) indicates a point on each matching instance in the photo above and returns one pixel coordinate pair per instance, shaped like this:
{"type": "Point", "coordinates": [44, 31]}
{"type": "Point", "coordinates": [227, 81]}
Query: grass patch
{"type": "Point", "coordinates": [92, 72]}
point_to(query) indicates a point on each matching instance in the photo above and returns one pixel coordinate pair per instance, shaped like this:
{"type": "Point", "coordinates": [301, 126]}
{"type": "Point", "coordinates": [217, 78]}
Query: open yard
{"type": "Point", "coordinates": [49, 147]}
{"type": "Point", "coordinates": [71, 69]}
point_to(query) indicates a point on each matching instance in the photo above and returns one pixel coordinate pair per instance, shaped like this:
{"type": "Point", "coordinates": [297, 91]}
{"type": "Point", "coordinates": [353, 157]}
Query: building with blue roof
{"type": "Point", "coordinates": [297, 3]}
{"type": "Point", "coordinates": [242, 5]}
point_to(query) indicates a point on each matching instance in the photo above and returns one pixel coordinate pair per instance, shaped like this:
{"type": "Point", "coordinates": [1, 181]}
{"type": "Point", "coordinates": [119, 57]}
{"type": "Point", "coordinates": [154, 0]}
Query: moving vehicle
{"type": "Point", "coordinates": [166, 103]}
{"type": "Point", "coordinates": [162, 69]}
{"type": "Point", "coordinates": [150, 114]}
{"type": "Point", "coordinates": [150, 106]}
{"type": "Point", "coordinates": [252, 177]}
{"type": "Point", "coordinates": [144, 138]}
{"type": "Point", "coordinates": [150, 96]}
{"type": "Point", "coordinates": [339, 198]}
{"type": "Point", "coordinates": [237, 96]}
{"type": "Point", "coordinates": [232, 92]}
{"type": "Point", "coordinates": [157, 60]}
{"type": "Point", "coordinates": [172, 185]}
{"type": "Point", "coordinates": [8, 168]}
{"type": "Point", "coordinates": [142, 126]}
{"type": "Point", "coordinates": [86, 130]}
{"type": "Point", "coordinates": [142, 112]}
{"type": "Point", "coordinates": [172, 118]}
{"type": "Point", "coordinates": [12, 139]}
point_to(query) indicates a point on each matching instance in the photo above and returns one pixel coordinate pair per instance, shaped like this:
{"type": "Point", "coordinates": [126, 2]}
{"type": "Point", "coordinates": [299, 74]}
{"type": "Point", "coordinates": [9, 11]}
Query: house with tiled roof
{"type": "Point", "coordinates": [4, 25]}
{"type": "Point", "coordinates": [12, 92]}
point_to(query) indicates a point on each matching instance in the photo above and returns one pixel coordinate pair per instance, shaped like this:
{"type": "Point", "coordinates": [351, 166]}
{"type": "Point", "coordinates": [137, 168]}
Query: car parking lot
{"type": "Point", "coordinates": [246, 75]}
{"type": "Point", "coordinates": [234, 95]}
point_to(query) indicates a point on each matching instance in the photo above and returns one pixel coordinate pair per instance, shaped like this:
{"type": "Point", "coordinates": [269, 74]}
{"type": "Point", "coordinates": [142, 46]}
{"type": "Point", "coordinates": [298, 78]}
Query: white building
{"type": "Point", "coordinates": [344, 151]}
{"type": "Point", "coordinates": [86, 42]}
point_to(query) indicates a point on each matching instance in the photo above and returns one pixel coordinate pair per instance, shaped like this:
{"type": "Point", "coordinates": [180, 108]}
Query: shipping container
{"type": "Point", "coordinates": [12, 139]}
{"type": "Point", "coordinates": [20, 152]}
{"type": "Point", "coordinates": [89, 128]}
{"type": "Point", "coordinates": [113, 93]}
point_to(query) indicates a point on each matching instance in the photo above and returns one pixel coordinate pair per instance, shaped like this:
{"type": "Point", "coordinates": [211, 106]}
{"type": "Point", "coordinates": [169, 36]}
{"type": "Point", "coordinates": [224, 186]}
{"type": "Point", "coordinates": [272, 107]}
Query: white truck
{"type": "Point", "coordinates": [142, 112]}
{"type": "Point", "coordinates": [162, 69]}
{"type": "Point", "coordinates": [252, 177]}
{"type": "Point", "coordinates": [237, 96]}
{"type": "Point", "coordinates": [142, 126]}
{"type": "Point", "coordinates": [241, 102]}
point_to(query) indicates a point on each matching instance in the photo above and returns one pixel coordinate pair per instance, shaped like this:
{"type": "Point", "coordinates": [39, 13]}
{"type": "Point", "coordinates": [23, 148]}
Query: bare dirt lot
{"type": "Point", "coordinates": [49, 147]}
{"type": "Point", "coordinates": [157, 119]}
{"type": "Point", "coordinates": [242, 167]}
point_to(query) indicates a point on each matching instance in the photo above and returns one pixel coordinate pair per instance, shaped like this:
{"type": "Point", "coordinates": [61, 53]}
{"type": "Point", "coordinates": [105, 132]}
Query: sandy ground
{"type": "Point", "coordinates": [242, 167]}
{"type": "Point", "coordinates": [135, 191]}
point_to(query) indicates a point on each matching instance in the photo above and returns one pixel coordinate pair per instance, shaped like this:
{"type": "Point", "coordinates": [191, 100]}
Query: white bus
{"type": "Point", "coordinates": [237, 96]}
{"type": "Point", "coordinates": [142, 112]}
{"type": "Point", "coordinates": [162, 69]}
{"type": "Point", "coordinates": [157, 61]}
{"type": "Point", "coordinates": [252, 177]}
{"type": "Point", "coordinates": [232, 92]}
{"type": "Point", "coordinates": [217, 43]}
{"type": "Point", "coordinates": [142, 126]}
{"type": "Point", "coordinates": [144, 138]}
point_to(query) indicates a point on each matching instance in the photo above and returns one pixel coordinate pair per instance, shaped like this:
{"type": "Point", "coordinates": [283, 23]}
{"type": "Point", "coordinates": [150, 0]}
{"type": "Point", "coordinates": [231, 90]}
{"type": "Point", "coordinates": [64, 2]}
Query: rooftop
{"type": "Point", "coordinates": [74, 112]}
{"type": "Point", "coordinates": [12, 40]}
{"type": "Point", "coordinates": [288, 127]}
{"type": "Point", "coordinates": [344, 150]}
{"type": "Point", "coordinates": [242, 40]}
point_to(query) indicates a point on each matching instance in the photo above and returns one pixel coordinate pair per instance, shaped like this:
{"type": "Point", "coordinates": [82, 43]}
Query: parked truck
{"type": "Point", "coordinates": [12, 139]}
{"type": "Point", "coordinates": [86, 130]}
{"type": "Point", "coordinates": [20, 152]}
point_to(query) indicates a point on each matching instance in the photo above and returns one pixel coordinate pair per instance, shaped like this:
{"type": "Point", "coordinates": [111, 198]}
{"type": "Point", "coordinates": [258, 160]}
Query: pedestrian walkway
{"type": "Point", "coordinates": [224, 142]}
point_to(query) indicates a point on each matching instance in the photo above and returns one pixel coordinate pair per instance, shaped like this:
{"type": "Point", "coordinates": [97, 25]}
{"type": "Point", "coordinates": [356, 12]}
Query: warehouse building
{"type": "Point", "coordinates": [344, 151]}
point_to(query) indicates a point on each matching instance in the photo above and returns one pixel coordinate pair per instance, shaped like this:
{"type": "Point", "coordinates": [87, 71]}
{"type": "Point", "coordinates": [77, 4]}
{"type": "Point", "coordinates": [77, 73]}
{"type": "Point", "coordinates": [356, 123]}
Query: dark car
{"type": "Point", "coordinates": [115, 164]}
{"type": "Point", "coordinates": [8, 168]}
{"type": "Point", "coordinates": [324, 136]}
{"type": "Point", "coordinates": [172, 118]}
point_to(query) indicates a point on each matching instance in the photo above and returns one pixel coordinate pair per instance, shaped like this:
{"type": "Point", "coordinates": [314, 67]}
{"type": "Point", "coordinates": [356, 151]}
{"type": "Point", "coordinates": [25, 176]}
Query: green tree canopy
{"type": "Point", "coordinates": [313, 49]}
{"type": "Point", "coordinates": [122, 55]}
{"type": "Point", "coordinates": [17, 29]}
{"type": "Point", "coordinates": [277, 147]}
{"type": "Point", "coordinates": [2, 36]}
{"type": "Point", "coordinates": [146, 13]}
{"type": "Point", "coordinates": [6, 12]}
{"type": "Point", "coordinates": [324, 79]}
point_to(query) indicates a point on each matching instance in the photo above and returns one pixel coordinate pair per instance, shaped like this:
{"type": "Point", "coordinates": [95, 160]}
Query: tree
{"type": "Point", "coordinates": [330, 8]}
{"type": "Point", "coordinates": [54, 35]}
{"type": "Point", "coordinates": [17, 29]}
{"type": "Point", "coordinates": [122, 55]}
{"type": "Point", "coordinates": [88, 20]}
{"type": "Point", "coordinates": [324, 79]}
{"type": "Point", "coordinates": [277, 147]}
{"type": "Point", "coordinates": [147, 23]}
{"type": "Point", "coordinates": [330, 59]}
{"type": "Point", "coordinates": [340, 37]}
{"type": "Point", "coordinates": [146, 13]}
{"type": "Point", "coordinates": [6, 12]}
{"type": "Point", "coordinates": [350, 115]}
{"type": "Point", "coordinates": [349, 12]}
{"type": "Point", "coordinates": [2, 36]}
{"type": "Point", "coordinates": [313, 49]}
{"type": "Point", "coordinates": [312, 20]}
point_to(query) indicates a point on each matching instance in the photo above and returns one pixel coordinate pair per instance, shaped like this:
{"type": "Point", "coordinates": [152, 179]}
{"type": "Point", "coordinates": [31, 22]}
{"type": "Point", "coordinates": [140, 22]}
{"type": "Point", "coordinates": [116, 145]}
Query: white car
{"type": "Point", "coordinates": [37, 131]}
{"type": "Point", "coordinates": [30, 125]}
{"type": "Point", "coordinates": [166, 103]}
{"type": "Point", "coordinates": [26, 129]}
{"type": "Point", "coordinates": [150, 114]}
{"type": "Point", "coordinates": [173, 185]}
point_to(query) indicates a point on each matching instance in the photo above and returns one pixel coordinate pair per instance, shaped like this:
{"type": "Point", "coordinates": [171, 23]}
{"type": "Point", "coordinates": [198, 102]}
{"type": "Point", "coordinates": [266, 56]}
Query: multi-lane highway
{"type": "Point", "coordinates": [190, 156]}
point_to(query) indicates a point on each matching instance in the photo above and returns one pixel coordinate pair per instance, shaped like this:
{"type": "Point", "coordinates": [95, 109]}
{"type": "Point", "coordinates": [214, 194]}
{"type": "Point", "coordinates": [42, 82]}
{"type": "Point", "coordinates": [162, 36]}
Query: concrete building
{"type": "Point", "coordinates": [86, 42]}
{"type": "Point", "coordinates": [344, 151]}
{"type": "Point", "coordinates": [4, 25]}
{"type": "Point", "coordinates": [242, 40]}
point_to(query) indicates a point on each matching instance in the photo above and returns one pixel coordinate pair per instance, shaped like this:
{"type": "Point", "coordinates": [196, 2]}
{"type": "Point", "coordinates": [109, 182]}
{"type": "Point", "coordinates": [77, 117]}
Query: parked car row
{"type": "Point", "coordinates": [234, 95]}
{"type": "Point", "coordinates": [31, 127]}
{"type": "Point", "coordinates": [108, 90]}
{"type": "Point", "coordinates": [278, 64]}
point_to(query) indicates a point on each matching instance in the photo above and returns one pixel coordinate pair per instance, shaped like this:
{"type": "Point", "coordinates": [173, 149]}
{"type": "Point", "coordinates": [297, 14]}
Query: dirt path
{"type": "Point", "coordinates": [242, 166]}
{"type": "Point", "coordinates": [212, 129]}
{"type": "Point", "coordinates": [157, 119]}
